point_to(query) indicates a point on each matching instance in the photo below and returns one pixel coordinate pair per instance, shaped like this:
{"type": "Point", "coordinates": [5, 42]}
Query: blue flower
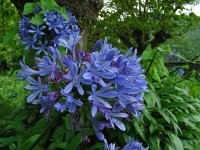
{"type": "Point", "coordinates": [70, 43]}
{"type": "Point", "coordinates": [53, 20]}
{"type": "Point", "coordinates": [27, 71]}
{"type": "Point", "coordinates": [36, 31]}
{"type": "Point", "coordinates": [37, 9]}
{"type": "Point", "coordinates": [47, 66]}
{"type": "Point", "coordinates": [97, 100]}
{"type": "Point", "coordinates": [111, 116]}
{"type": "Point", "coordinates": [54, 52]}
{"type": "Point", "coordinates": [97, 45]}
{"type": "Point", "coordinates": [133, 145]}
{"type": "Point", "coordinates": [97, 73]}
{"type": "Point", "coordinates": [70, 103]}
{"type": "Point", "coordinates": [24, 25]}
{"type": "Point", "coordinates": [180, 72]}
{"type": "Point", "coordinates": [67, 60]}
{"type": "Point", "coordinates": [74, 79]}
{"type": "Point", "coordinates": [36, 87]}
{"type": "Point", "coordinates": [47, 102]}
{"type": "Point", "coordinates": [112, 146]}
{"type": "Point", "coordinates": [98, 127]}
{"type": "Point", "coordinates": [41, 48]}
{"type": "Point", "coordinates": [29, 42]}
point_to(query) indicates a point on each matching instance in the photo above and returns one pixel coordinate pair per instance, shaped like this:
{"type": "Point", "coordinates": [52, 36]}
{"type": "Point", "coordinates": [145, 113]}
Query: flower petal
{"type": "Point", "coordinates": [68, 88]}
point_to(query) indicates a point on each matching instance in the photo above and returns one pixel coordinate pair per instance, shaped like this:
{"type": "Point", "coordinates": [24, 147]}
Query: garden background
{"type": "Point", "coordinates": [167, 38]}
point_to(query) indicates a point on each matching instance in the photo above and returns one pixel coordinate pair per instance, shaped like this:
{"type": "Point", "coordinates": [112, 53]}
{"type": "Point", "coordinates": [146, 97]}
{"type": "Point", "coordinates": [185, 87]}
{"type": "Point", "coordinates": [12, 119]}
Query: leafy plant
{"type": "Point", "coordinates": [170, 119]}
{"type": "Point", "coordinates": [12, 94]}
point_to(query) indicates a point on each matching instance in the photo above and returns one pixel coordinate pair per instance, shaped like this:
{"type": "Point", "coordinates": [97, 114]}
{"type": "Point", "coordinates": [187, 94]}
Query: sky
{"type": "Point", "coordinates": [196, 10]}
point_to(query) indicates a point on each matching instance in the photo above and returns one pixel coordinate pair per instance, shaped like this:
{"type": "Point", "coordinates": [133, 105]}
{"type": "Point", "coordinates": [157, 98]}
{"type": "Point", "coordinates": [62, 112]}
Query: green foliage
{"type": "Point", "coordinates": [28, 8]}
{"type": "Point", "coordinates": [188, 44]}
{"type": "Point", "coordinates": [8, 17]}
{"type": "Point", "coordinates": [37, 19]}
{"type": "Point", "coordinates": [170, 119]}
{"type": "Point", "coordinates": [139, 23]}
{"type": "Point", "coordinates": [10, 56]}
{"type": "Point", "coordinates": [9, 48]}
{"type": "Point", "coordinates": [12, 94]}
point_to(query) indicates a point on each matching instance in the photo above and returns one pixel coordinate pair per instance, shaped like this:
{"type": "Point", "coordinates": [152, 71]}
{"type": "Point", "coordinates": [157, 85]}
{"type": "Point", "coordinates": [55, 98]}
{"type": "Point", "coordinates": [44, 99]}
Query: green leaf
{"type": "Point", "coordinates": [68, 125]}
{"type": "Point", "coordinates": [147, 114]}
{"type": "Point", "coordinates": [37, 19]}
{"type": "Point", "coordinates": [63, 12]}
{"type": "Point", "coordinates": [10, 35]}
{"type": "Point", "coordinates": [139, 128]}
{"type": "Point", "coordinates": [39, 126]}
{"type": "Point", "coordinates": [148, 53]}
{"type": "Point", "coordinates": [155, 141]}
{"type": "Point", "coordinates": [76, 141]}
{"type": "Point", "coordinates": [173, 116]}
{"type": "Point", "coordinates": [155, 74]}
{"type": "Point", "coordinates": [164, 114]}
{"type": "Point", "coordinates": [176, 141]}
{"type": "Point", "coordinates": [58, 133]}
{"type": "Point", "coordinates": [28, 8]}
{"type": "Point", "coordinates": [49, 5]}
{"type": "Point", "coordinates": [26, 145]}
{"type": "Point", "coordinates": [152, 128]}
{"type": "Point", "coordinates": [97, 146]}
{"type": "Point", "coordinates": [180, 104]}
{"type": "Point", "coordinates": [176, 128]}
{"type": "Point", "coordinates": [58, 145]}
{"type": "Point", "coordinates": [6, 141]}
{"type": "Point", "coordinates": [182, 91]}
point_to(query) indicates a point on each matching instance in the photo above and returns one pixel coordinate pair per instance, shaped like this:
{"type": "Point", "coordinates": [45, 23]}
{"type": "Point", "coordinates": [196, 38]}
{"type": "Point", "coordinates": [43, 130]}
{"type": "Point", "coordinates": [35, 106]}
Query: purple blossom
{"type": "Point", "coordinates": [37, 9]}
{"type": "Point", "coordinates": [180, 72]}
{"type": "Point", "coordinates": [97, 73]}
{"type": "Point", "coordinates": [97, 100]}
{"type": "Point", "coordinates": [47, 102]}
{"type": "Point", "coordinates": [67, 60]}
{"type": "Point", "coordinates": [133, 145]}
{"type": "Point", "coordinates": [70, 43]}
{"type": "Point", "coordinates": [24, 25]}
{"type": "Point", "coordinates": [47, 66]}
{"type": "Point", "coordinates": [53, 20]}
{"type": "Point", "coordinates": [98, 128]}
{"type": "Point", "coordinates": [41, 48]}
{"type": "Point", "coordinates": [75, 80]}
{"type": "Point", "coordinates": [33, 35]}
{"type": "Point", "coordinates": [54, 52]}
{"type": "Point", "coordinates": [27, 71]}
{"type": "Point", "coordinates": [29, 42]}
{"type": "Point", "coordinates": [116, 81]}
{"type": "Point", "coordinates": [112, 117]}
{"type": "Point", "coordinates": [36, 87]}
{"type": "Point", "coordinates": [70, 103]}
{"type": "Point", "coordinates": [36, 31]}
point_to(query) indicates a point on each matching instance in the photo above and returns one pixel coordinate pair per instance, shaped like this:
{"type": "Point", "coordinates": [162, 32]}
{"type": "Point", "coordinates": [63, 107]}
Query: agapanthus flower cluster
{"type": "Point", "coordinates": [41, 36]}
{"type": "Point", "coordinates": [105, 81]}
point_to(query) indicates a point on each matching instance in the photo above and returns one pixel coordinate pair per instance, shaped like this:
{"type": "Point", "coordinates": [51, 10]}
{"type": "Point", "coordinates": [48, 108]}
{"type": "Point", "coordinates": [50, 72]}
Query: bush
{"type": "Point", "coordinates": [12, 94]}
